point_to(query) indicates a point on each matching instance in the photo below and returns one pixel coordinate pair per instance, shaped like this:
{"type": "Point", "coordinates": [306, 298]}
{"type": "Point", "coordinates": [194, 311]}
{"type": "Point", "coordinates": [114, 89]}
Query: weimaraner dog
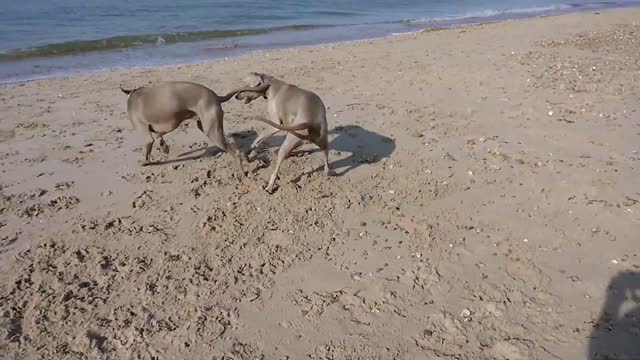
{"type": "Point", "coordinates": [291, 109]}
{"type": "Point", "coordinates": [157, 110]}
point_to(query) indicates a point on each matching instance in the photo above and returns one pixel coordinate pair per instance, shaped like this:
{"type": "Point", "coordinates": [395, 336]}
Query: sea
{"type": "Point", "coordinates": [51, 38]}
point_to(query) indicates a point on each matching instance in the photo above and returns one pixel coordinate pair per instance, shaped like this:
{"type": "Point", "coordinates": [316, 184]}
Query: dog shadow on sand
{"type": "Point", "coordinates": [242, 139]}
{"type": "Point", "coordinates": [616, 333]}
{"type": "Point", "coordinates": [365, 147]}
{"type": "Point", "coordinates": [362, 145]}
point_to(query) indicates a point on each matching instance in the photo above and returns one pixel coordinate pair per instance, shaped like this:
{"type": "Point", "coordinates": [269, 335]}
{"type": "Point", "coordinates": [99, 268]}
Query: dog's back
{"type": "Point", "coordinates": [295, 100]}
{"type": "Point", "coordinates": [170, 99]}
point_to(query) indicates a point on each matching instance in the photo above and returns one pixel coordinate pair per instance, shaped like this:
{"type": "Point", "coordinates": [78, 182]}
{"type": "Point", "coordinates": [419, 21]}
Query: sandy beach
{"type": "Point", "coordinates": [486, 207]}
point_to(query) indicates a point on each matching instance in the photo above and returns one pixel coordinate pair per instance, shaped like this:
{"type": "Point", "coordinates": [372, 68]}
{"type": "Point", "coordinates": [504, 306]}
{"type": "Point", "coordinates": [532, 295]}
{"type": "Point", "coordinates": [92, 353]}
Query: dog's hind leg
{"type": "Point", "coordinates": [161, 143]}
{"type": "Point", "coordinates": [290, 143]}
{"type": "Point", "coordinates": [147, 137]}
{"type": "Point", "coordinates": [323, 144]}
{"type": "Point", "coordinates": [327, 168]}
{"type": "Point", "coordinates": [212, 126]}
{"type": "Point", "coordinates": [322, 141]}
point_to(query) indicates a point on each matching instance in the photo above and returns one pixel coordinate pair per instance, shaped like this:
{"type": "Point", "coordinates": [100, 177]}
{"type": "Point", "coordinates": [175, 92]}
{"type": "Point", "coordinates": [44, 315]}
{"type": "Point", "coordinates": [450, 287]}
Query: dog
{"type": "Point", "coordinates": [157, 110]}
{"type": "Point", "coordinates": [291, 109]}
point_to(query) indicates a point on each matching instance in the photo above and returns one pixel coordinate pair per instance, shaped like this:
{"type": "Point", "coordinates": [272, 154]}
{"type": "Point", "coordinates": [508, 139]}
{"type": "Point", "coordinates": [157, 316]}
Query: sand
{"type": "Point", "coordinates": [486, 207]}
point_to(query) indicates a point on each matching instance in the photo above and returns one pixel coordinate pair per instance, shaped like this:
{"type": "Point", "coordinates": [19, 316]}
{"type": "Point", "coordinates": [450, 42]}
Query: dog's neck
{"type": "Point", "coordinates": [274, 86]}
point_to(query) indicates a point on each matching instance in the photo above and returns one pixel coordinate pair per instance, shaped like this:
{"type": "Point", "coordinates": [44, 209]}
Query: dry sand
{"type": "Point", "coordinates": [486, 207]}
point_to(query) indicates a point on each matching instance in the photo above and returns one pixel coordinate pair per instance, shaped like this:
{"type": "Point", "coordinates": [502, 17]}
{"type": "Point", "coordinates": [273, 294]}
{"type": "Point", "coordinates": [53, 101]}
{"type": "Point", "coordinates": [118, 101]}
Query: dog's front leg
{"type": "Point", "coordinates": [163, 146]}
{"type": "Point", "coordinates": [290, 143]}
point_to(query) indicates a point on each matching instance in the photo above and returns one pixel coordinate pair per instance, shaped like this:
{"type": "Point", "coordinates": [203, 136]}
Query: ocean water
{"type": "Point", "coordinates": [44, 38]}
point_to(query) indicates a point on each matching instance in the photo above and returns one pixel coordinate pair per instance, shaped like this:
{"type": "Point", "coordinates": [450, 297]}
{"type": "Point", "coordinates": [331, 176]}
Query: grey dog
{"type": "Point", "coordinates": [157, 110]}
{"type": "Point", "coordinates": [291, 109]}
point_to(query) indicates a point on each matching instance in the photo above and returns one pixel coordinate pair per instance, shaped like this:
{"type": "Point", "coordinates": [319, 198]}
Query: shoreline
{"type": "Point", "coordinates": [257, 47]}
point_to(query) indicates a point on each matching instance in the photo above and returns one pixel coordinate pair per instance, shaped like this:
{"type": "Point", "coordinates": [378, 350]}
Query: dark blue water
{"type": "Point", "coordinates": [41, 38]}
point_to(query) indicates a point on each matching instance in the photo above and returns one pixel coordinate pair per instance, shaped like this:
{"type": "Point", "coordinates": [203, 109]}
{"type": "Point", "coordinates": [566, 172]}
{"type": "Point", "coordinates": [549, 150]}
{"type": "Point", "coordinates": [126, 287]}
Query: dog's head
{"type": "Point", "coordinates": [249, 96]}
{"type": "Point", "coordinates": [254, 80]}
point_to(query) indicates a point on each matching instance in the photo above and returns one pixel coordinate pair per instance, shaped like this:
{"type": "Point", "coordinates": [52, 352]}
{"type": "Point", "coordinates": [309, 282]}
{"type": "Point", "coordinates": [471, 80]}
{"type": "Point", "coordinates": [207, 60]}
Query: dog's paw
{"type": "Point", "coordinates": [330, 173]}
{"type": "Point", "coordinates": [251, 154]}
{"type": "Point", "coordinates": [240, 174]}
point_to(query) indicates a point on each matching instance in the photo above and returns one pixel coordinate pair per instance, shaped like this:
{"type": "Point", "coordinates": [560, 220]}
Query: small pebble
{"type": "Point", "coordinates": [485, 339]}
{"type": "Point", "coordinates": [550, 113]}
{"type": "Point", "coordinates": [465, 313]}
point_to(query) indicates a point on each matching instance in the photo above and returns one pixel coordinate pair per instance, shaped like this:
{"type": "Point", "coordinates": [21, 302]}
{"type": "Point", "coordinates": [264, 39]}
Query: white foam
{"type": "Point", "coordinates": [490, 13]}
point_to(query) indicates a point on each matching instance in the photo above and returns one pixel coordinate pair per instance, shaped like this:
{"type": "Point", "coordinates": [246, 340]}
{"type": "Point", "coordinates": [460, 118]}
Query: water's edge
{"type": "Point", "coordinates": [145, 51]}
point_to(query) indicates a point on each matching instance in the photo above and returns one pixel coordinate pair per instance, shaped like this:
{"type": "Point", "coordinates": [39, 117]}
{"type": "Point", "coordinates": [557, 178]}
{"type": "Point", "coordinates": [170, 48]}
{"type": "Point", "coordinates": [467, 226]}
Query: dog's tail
{"type": "Point", "coordinates": [291, 129]}
{"type": "Point", "coordinates": [259, 89]}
